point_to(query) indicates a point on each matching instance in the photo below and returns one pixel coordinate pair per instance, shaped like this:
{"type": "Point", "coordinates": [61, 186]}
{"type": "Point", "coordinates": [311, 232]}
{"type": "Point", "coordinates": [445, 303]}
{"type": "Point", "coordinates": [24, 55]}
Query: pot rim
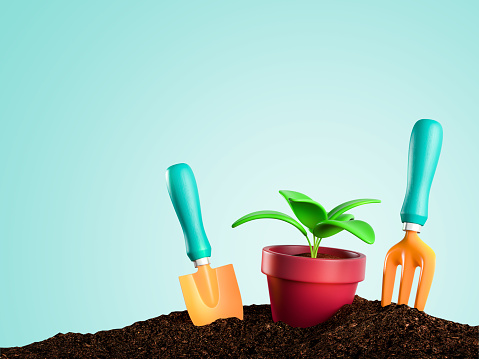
{"type": "Point", "coordinates": [280, 261]}
{"type": "Point", "coordinates": [301, 249]}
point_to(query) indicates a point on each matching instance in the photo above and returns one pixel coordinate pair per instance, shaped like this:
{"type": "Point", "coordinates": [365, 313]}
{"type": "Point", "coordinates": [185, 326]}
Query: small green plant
{"type": "Point", "coordinates": [320, 223]}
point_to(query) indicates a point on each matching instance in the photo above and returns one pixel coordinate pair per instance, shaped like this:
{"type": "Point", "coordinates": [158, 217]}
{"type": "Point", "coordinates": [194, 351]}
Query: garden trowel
{"type": "Point", "coordinates": [210, 293]}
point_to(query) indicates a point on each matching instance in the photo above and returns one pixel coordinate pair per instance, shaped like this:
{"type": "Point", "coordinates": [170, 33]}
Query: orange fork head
{"type": "Point", "coordinates": [409, 253]}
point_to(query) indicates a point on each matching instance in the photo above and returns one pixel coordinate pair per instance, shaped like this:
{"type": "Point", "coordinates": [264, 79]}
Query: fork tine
{"type": "Point", "coordinates": [389, 274]}
{"type": "Point", "coordinates": [407, 277]}
{"type": "Point", "coordinates": [425, 281]}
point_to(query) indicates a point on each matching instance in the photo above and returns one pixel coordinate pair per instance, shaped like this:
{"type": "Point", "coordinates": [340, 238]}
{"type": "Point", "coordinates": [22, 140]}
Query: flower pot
{"type": "Point", "coordinates": [308, 291]}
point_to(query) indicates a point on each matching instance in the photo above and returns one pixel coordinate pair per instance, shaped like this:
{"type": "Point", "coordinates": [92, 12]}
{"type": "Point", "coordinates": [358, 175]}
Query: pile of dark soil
{"type": "Point", "coordinates": [361, 330]}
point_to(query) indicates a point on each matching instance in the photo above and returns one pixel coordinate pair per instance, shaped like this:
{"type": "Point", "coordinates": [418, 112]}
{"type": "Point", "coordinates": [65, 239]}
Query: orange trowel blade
{"type": "Point", "coordinates": [212, 293]}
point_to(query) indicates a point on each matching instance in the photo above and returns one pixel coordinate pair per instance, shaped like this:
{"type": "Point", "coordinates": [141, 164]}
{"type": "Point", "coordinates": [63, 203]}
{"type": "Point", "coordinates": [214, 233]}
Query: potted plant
{"type": "Point", "coordinates": [306, 289]}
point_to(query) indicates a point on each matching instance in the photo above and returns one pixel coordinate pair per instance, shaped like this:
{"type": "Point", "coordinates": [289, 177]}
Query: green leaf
{"type": "Point", "coordinates": [329, 231]}
{"type": "Point", "coordinates": [308, 212]}
{"type": "Point", "coordinates": [346, 206]}
{"type": "Point", "coordinates": [345, 217]}
{"type": "Point", "coordinates": [360, 229]}
{"type": "Point", "coordinates": [292, 194]}
{"type": "Point", "coordinates": [270, 215]}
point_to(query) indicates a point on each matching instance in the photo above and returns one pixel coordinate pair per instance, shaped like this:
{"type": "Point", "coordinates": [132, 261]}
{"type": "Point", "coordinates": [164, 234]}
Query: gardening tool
{"type": "Point", "coordinates": [210, 293]}
{"type": "Point", "coordinates": [411, 252]}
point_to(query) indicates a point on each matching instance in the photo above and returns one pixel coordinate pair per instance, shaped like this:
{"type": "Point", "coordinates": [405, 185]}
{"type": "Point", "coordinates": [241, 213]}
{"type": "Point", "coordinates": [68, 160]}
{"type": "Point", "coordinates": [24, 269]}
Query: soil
{"type": "Point", "coordinates": [363, 329]}
{"type": "Point", "coordinates": [319, 255]}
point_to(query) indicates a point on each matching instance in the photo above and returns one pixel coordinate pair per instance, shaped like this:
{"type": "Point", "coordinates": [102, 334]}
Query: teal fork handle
{"type": "Point", "coordinates": [183, 191]}
{"type": "Point", "coordinates": [424, 149]}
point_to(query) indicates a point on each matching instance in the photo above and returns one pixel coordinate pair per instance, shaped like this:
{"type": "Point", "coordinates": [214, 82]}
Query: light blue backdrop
{"type": "Point", "coordinates": [97, 99]}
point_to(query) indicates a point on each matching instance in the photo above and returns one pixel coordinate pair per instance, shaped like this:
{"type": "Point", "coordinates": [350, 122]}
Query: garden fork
{"type": "Point", "coordinates": [411, 252]}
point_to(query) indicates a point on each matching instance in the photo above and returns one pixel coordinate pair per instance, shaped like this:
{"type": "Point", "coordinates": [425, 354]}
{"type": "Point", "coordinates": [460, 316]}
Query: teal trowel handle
{"type": "Point", "coordinates": [424, 150]}
{"type": "Point", "coordinates": [184, 195]}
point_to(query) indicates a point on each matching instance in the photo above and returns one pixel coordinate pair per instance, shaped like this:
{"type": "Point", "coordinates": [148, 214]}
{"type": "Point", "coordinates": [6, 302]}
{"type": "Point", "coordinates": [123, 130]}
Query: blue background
{"type": "Point", "coordinates": [97, 99]}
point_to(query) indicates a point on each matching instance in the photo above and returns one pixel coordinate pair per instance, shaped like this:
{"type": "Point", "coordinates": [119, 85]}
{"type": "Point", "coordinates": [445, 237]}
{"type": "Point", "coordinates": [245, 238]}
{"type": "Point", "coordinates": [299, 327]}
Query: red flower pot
{"type": "Point", "coordinates": [308, 291]}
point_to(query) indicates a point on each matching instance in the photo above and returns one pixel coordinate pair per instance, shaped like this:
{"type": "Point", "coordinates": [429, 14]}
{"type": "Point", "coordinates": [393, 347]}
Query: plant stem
{"type": "Point", "coordinates": [313, 253]}
{"type": "Point", "coordinates": [317, 247]}
{"type": "Point", "coordinates": [310, 247]}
